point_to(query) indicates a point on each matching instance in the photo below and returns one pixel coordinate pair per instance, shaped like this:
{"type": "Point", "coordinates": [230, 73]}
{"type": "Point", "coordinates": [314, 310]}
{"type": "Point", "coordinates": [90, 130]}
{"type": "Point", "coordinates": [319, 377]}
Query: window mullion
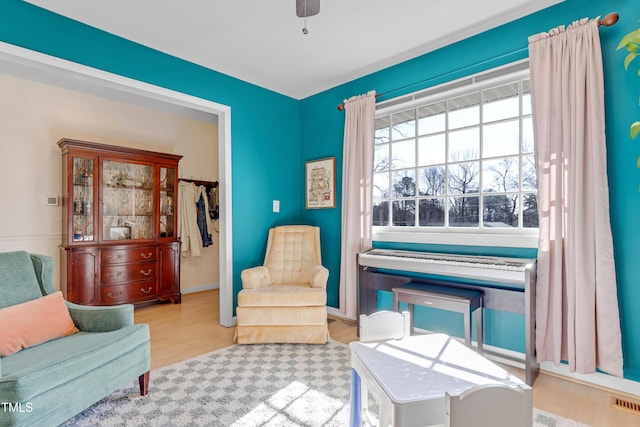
{"type": "Point", "coordinates": [416, 192]}
{"type": "Point", "coordinates": [481, 164]}
{"type": "Point", "coordinates": [390, 177]}
{"type": "Point", "coordinates": [520, 157]}
{"type": "Point", "coordinates": [446, 164]}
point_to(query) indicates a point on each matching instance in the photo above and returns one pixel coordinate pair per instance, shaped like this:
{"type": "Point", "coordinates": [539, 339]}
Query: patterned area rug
{"type": "Point", "coordinates": [247, 385]}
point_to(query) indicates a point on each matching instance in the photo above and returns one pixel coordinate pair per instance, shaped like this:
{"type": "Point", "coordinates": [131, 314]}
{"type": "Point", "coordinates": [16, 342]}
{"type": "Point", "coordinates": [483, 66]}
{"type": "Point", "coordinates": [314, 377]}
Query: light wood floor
{"type": "Point", "coordinates": [182, 331]}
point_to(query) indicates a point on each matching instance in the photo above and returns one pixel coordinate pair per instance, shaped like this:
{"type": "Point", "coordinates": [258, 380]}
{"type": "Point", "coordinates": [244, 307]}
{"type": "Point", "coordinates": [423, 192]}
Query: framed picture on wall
{"type": "Point", "coordinates": [320, 188]}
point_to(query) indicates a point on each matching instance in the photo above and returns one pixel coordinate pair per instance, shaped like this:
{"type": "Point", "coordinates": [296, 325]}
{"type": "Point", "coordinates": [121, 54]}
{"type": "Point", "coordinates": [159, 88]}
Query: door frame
{"type": "Point", "coordinates": [32, 65]}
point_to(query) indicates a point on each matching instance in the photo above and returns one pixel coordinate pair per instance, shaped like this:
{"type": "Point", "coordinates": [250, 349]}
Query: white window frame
{"type": "Point", "coordinates": [464, 236]}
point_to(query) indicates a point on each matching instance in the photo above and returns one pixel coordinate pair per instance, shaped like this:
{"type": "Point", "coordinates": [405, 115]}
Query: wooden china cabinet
{"type": "Point", "coordinates": [119, 225]}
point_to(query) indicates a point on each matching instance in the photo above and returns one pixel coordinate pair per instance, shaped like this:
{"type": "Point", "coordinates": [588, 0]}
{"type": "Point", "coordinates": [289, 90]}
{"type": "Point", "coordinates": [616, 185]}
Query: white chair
{"type": "Point", "coordinates": [492, 405]}
{"type": "Point", "coordinates": [380, 326]}
{"type": "Point", "coordinates": [384, 325]}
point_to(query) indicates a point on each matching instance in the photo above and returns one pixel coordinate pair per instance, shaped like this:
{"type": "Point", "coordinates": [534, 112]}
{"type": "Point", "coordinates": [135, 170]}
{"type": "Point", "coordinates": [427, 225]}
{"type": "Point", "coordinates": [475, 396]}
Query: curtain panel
{"type": "Point", "coordinates": [357, 176]}
{"type": "Point", "coordinates": [577, 318]}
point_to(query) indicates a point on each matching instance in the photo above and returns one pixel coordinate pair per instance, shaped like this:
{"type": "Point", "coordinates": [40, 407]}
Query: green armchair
{"type": "Point", "coordinates": [49, 383]}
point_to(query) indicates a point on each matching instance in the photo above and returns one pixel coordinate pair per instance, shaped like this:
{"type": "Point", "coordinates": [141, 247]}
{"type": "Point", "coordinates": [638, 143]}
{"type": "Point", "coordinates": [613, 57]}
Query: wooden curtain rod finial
{"type": "Point", "coordinates": [609, 20]}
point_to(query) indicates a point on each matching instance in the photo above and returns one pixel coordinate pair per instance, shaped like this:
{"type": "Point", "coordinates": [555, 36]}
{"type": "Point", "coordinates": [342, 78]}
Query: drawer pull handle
{"type": "Point", "coordinates": [148, 291]}
{"type": "Point", "coordinates": [146, 273]}
{"type": "Point", "coordinates": [110, 295]}
{"type": "Point", "coordinates": [112, 257]}
{"type": "Point", "coordinates": [147, 256]}
{"type": "Point", "coordinates": [113, 276]}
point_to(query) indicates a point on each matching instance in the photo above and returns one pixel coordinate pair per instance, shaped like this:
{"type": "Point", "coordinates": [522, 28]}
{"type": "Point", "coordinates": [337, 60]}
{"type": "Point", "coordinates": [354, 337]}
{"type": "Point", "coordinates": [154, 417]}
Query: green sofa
{"type": "Point", "coordinates": [47, 384]}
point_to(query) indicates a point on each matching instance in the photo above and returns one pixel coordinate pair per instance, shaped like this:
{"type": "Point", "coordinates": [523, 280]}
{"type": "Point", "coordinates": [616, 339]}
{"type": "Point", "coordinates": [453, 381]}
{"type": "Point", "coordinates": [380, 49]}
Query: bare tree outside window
{"type": "Point", "coordinates": [460, 161]}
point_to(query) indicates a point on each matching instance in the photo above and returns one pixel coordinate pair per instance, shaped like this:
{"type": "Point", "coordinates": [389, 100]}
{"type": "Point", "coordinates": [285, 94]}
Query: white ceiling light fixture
{"type": "Point", "coordinates": [306, 8]}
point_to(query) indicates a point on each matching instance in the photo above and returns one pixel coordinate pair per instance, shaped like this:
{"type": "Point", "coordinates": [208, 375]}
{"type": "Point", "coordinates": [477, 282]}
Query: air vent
{"type": "Point", "coordinates": [626, 404]}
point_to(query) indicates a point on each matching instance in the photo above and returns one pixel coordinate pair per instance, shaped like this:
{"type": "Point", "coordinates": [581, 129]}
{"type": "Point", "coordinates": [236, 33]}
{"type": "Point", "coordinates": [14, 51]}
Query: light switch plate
{"type": "Point", "coordinates": [276, 205]}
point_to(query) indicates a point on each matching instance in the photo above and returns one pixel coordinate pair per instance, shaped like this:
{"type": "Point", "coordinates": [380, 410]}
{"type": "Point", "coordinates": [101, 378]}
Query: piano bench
{"type": "Point", "coordinates": [460, 300]}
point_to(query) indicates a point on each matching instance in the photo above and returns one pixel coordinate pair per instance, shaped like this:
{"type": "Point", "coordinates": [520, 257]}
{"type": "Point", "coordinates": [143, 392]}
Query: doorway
{"type": "Point", "coordinates": [31, 65]}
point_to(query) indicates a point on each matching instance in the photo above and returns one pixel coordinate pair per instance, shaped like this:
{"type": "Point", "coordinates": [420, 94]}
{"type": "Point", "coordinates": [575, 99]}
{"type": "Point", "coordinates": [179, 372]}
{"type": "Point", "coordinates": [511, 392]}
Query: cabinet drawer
{"type": "Point", "coordinates": [127, 272]}
{"type": "Point", "coordinates": [119, 256]}
{"type": "Point", "coordinates": [115, 294]}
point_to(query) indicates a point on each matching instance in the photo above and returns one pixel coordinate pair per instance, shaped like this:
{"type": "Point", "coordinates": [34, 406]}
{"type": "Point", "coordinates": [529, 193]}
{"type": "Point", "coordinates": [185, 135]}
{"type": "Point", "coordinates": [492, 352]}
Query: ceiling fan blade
{"type": "Point", "coordinates": [306, 8]}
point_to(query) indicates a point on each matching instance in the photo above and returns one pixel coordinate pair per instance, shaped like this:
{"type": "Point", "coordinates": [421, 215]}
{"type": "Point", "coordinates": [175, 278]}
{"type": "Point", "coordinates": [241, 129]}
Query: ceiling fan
{"type": "Point", "coordinates": [306, 8]}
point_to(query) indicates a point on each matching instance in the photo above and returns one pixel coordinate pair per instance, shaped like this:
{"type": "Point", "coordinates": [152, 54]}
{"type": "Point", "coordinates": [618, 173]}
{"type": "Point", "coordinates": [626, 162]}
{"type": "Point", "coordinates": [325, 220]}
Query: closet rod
{"type": "Point", "coordinates": [607, 21]}
{"type": "Point", "coordinates": [200, 181]}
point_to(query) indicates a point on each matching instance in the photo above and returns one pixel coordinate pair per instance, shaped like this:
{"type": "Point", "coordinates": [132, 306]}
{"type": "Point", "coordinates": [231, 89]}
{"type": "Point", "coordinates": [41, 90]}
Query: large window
{"type": "Point", "coordinates": [458, 158]}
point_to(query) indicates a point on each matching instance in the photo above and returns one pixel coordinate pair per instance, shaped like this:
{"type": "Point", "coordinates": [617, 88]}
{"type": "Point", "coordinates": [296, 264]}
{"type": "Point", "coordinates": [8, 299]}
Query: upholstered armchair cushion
{"type": "Point", "coordinates": [284, 300]}
{"type": "Point", "coordinates": [319, 277]}
{"type": "Point", "coordinates": [47, 366]}
{"type": "Point", "coordinates": [283, 296]}
{"type": "Point", "coordinates": [101, 319]}
{"type": "Point", "coordinates": [293, 252]}
{"type": "Point", "coordinates": [256, 277]}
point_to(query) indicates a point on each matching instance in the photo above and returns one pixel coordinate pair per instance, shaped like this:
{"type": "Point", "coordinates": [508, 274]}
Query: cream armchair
{"type": "Point", "coordinates": [285, 299]}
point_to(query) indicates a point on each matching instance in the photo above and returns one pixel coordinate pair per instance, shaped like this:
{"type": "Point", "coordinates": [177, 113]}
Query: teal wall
{"type": "Point", "coordinates": [264, 125]}
{"type": "Point", "coordinates": [271, 130]}
{"type": "Point", "coordinates": [322, 126]}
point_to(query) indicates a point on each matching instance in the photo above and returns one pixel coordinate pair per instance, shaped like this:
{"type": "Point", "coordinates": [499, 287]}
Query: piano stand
{"type": "Point", "coordinates": [460, 300]}
{"type": "Point", "coordinates": [390, 275]}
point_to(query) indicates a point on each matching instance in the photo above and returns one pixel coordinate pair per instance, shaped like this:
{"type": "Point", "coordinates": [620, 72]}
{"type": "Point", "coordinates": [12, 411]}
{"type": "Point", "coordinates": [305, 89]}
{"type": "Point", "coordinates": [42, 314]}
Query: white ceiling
{"type": "Point", "coordinates": [261, 41]}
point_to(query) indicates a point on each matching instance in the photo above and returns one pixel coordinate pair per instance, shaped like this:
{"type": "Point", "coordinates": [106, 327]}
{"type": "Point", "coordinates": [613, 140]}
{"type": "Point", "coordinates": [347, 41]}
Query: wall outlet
{"type": "Point", "coordinates": [276, 205]}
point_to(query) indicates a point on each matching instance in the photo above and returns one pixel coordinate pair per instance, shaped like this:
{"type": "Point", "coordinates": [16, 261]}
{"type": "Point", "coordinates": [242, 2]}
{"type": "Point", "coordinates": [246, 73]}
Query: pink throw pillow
{"type": "Point", "coordinates": [34, 322]}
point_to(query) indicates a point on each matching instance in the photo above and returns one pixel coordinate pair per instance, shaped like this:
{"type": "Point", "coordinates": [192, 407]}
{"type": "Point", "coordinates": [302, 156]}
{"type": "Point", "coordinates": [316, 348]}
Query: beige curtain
{"type": "Point", "coordinates": [357, 175]}
{"type": "Point", "coordinates": [577, 317]}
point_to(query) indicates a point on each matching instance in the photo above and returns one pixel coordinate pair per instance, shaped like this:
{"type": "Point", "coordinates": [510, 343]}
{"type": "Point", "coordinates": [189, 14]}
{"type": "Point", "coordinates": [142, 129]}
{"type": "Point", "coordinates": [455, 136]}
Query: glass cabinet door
{"type": "Point", "coordinates": [127, 198]}
{"type": "Point", "coordinates": [82, 199]}
{"type": "Point", "coordinates": [167, 202]}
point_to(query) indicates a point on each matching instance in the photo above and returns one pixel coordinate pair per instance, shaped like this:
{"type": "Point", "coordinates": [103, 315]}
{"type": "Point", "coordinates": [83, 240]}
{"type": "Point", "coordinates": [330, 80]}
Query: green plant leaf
{"type": "Point", "coordinates": [635, 130]}
{"type": "Point", "coordinates": [630, 57]}
{"type": "Point", "coordinates": [632, 37]}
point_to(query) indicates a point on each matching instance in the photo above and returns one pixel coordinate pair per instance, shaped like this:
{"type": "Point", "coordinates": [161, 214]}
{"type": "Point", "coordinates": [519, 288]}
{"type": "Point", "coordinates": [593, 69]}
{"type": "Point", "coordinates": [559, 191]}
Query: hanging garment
{"type": "Point", "coordinates": [188, 220]}
{"type": "Point", "coordinates": [204, 221]}
{"type": "Point", "coordinates": [213, 202]}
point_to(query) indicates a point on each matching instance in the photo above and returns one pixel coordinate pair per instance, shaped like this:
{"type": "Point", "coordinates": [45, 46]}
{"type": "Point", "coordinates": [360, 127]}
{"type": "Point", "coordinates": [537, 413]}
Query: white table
{"type": "Point", "coordinates": [408, 377]}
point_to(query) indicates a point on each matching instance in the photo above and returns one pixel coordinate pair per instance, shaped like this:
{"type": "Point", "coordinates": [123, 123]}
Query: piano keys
{"type": "Point", "coordinates": [508, 283]}
{"type": "Point", "coordinates": [511, 271]}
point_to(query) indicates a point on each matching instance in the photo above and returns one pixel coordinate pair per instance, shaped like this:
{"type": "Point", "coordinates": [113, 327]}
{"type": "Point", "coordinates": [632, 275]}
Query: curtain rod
{"type": "Point", "coordinates": [607, 21]}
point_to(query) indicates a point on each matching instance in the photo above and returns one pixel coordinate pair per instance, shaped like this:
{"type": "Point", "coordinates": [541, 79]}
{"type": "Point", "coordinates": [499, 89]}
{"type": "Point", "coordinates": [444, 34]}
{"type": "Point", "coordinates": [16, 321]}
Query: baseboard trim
{"type": "Point", "coordinates": [599, 380]}
{"type": "Point", "coordinates": [337, 314]}
{"type": "Point", "coordinates": [201, 288]}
